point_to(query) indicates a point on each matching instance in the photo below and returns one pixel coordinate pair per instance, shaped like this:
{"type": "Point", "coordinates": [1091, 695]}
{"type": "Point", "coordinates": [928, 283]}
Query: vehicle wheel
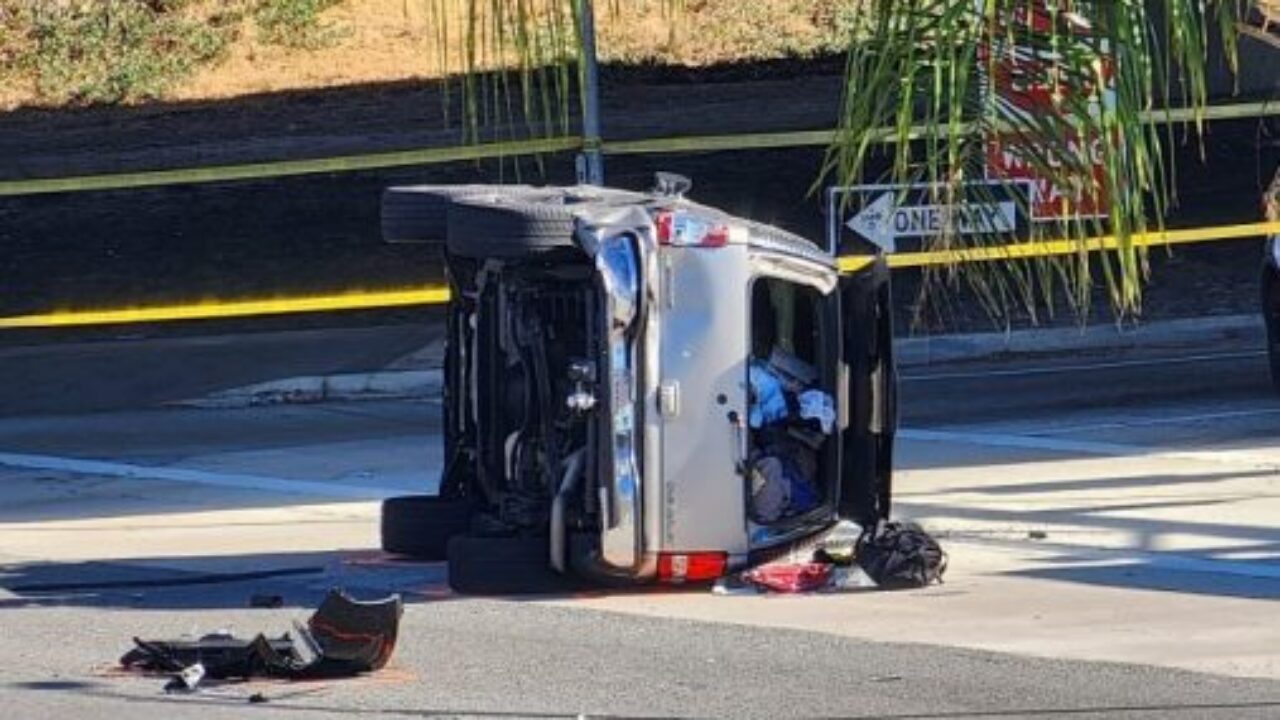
{"type": "Point", "coordinates": [504, 566]}
{"type": "Point", "coordinates": [511, 226]}
{"type": "Point", "coordinates": [416, 214]}
{"type": "Point", "coordinates": [420, 526]}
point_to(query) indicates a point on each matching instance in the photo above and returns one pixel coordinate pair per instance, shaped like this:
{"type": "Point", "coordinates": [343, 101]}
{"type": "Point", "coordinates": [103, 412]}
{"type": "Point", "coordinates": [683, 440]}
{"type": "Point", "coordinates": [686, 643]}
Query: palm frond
{"type": "Point", "coordinates": [1040, 79]}
{"type": "Point", "coordinates": [950, 79]}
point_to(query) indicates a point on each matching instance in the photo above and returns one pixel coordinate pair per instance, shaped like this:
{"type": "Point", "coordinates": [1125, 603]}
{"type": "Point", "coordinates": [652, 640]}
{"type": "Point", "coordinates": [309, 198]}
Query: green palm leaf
{"type": "Point", "coordinates": [941, 80]}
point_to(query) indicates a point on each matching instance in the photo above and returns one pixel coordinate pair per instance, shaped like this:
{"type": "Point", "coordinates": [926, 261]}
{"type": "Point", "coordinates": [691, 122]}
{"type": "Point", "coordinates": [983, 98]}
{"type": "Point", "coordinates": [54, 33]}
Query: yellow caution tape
{"type": "Point", "coordinates": [430, 156]}
{"type": "Point", "coordinates": [719, 143]}
{"type": "Point", "coordinates": [437, 295]}
{"type": "Point", "coordinates": [854, 263]}
{"type": "Point", "coordinates": [1051, 248]}
{"type": "Point", "coordinates": [1236, 111]}
{"type": "Point", "coordinates": [288, 168]}
{"type": "Point", "coordinates": [212, 310]}
{"type": "Point", "coordinates": [806, 138]}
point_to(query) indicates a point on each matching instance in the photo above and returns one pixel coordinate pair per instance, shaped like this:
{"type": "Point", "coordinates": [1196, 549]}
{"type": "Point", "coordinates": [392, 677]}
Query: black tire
{"type": "Point", "coordinates": [417, 214]}
{"type": "Point", "coordinates": [504, 566]}
{"type": "Point", "coordinates": [517, 225]}
{"type": "Point", "coordinates": [420, 526]}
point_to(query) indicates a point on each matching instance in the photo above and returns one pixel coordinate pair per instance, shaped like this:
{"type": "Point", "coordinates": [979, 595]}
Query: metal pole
{"type": "Point", "coordinates": [591, 161]}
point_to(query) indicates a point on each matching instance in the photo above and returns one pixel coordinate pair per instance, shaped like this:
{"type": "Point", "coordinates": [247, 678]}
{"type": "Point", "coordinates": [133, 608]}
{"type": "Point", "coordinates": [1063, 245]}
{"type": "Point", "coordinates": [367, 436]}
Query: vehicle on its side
{"type": "Point", "coordinates": [639, 388]}
{"type": "Point", "coordinates": [1271, 280]}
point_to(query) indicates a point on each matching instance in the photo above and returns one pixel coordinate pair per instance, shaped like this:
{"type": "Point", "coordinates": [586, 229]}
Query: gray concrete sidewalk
{"type": "Point", "coordinates": [1217, 333]}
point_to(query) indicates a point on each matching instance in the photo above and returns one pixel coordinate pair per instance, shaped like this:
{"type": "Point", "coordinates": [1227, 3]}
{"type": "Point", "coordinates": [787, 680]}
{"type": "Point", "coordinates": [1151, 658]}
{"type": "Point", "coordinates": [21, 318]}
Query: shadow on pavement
{"type": "Point", "coordinates": [1149, 575]}
{"type": "Point", "coordinates": [152, 463]}
{"type": "Point", "coordinates": [1135, 537]}
{"type": "Point", "coordinates": [219, 582]}
{"type": "Point", "coordinates": [1110, 483]}
{"type": "Point", "coordinates": [51, 378]}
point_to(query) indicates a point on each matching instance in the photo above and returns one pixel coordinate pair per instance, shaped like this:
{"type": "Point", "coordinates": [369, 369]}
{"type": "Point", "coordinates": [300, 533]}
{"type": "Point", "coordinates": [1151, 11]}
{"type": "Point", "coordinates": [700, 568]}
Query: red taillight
{"type": "Point", "coordinates": [664, 221]}
{"type": "Point", "coordinates": [691, 567]}
{"type": "Point", "coordinates": [716, 237]}
{"type": "Point", "coordinates": [686, 230]}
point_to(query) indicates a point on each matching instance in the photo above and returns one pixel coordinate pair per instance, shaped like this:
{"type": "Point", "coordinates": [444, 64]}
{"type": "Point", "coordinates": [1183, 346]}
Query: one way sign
{"type": "Point", "coordinates": [884, 214]}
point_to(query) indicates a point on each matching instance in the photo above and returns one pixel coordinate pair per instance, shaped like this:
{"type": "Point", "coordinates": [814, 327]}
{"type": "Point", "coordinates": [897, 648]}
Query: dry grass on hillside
{"type": "Point", "coordinates": [396, 39]}
{"type": "Point", "coordinates": [372, 41]}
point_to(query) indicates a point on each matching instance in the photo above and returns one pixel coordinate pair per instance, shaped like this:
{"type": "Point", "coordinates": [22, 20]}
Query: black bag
{"type": "Point", "coordinates": [901, 555]}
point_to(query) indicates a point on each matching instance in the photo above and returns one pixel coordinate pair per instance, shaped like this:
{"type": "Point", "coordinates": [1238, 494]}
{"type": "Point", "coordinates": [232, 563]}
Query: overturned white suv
{"type": "Point", "coordinates": [639, 388]}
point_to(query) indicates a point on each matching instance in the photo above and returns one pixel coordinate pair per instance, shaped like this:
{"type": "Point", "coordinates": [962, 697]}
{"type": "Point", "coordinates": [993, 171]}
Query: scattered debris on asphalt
{"type": "Point", "coordinates": [849, 578]}
{"type": "Point", "coordinates": [901, 555]}
{"type": "Point", "coordinates": [791, 578]}
{"type": "Point", "coordinates": [187, 680]}
{"type": "Point", "coordinates": [734, 585]}
{"type": "Point", "coordinates": [343, 638]}
{"type": "Point", "coordinates": [891, 555]}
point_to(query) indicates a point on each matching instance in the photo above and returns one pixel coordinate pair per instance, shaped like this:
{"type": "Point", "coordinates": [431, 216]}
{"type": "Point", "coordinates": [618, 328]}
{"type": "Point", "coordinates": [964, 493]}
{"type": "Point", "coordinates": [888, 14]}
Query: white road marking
{"type": "Point", "coordinates": [194, 477]}
{"type": "Point", "coordinates": [1024, 442]}
{"type": "Point", "coordinates": [1244, 458]}
{"type": "Point", "coordinates": [1147, 422]}
{"type": "Point", "coordinates": [1059, 369]}
{"type": "Point", "coordinates": [1126, 558]}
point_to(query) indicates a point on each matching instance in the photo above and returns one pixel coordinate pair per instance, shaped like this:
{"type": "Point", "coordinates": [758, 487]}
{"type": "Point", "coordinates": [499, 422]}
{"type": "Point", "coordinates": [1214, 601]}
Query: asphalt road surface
{"type": "Point", "coordinates": [1111, 521]}
{"type": "Point", "coordinates": [122, 372]}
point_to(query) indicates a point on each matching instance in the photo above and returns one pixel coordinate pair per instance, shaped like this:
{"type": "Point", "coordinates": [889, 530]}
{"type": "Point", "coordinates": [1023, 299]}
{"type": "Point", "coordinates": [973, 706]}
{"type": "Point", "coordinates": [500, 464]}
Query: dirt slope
{"type": "Point", "coordinates": [379, 41]}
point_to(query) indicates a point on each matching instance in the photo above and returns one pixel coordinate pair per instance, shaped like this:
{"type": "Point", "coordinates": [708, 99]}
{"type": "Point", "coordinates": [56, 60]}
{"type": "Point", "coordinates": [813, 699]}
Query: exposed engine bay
{"type": "Point", "coordinates": [521, 400]}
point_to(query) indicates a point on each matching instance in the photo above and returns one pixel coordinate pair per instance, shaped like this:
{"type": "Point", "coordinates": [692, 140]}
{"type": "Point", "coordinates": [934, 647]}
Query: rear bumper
{"type": "Point", "coordinates": [587, 562]}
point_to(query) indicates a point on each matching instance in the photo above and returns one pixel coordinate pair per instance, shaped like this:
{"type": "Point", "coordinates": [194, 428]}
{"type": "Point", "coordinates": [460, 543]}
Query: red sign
{"type": "Point", "coordinates": [1050, 201]}
{"type": "Point", "coordinates": [1031, 80]}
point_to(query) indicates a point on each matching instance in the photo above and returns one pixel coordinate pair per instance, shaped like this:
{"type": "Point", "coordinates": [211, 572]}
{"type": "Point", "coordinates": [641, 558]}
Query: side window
{"type": "Point", "coordinates": [792, 416]}
{"type": "Point", "coordinates": [785, 317]}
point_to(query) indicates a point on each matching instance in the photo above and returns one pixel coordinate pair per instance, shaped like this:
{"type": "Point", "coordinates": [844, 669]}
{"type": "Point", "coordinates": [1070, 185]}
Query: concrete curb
{"type": "Point", "coordinates": [388, 385]}
{"type": "Point", "coordinates": [1236, 330]}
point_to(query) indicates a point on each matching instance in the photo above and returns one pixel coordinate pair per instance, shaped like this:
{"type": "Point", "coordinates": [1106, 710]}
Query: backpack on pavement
{"type": "Point", "coordinates": [901, 555]}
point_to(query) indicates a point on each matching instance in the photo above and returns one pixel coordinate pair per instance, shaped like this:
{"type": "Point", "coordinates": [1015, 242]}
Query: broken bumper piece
{"type": "Point", "coordinates": [344, 637]}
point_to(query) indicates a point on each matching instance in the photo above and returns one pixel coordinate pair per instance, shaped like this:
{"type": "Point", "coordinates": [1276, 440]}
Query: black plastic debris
{"type": "Point", "coordinates": [344, 637]}
{"type": "Point", "coordinates": [355, 637]}
{"type": "Point", "coordinates": [901, 555]}
{"type": "Point", "coordinates": [187, 680]}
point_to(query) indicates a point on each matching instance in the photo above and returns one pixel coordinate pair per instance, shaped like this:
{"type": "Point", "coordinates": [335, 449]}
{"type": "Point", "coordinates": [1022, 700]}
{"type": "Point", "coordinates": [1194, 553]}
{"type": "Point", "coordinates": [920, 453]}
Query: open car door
{"type": "Point", "coordinates": [866, 472]}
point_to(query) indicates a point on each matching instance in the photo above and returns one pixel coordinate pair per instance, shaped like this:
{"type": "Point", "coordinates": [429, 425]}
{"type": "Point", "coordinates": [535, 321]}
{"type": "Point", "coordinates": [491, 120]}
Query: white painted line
{"type": "Point", "coordinates": [194, 477]}
{"type": "Point", "coordinates": [1060, 369]}
{"type": "Point", "coordinates": [1173, 561]}
{"type": "Point", "coordinates": [1241, 458]}
{"type": "Point", "coordinates": [1024, 442]}
{"type": "Point", "coordinates": [1147, 422]}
